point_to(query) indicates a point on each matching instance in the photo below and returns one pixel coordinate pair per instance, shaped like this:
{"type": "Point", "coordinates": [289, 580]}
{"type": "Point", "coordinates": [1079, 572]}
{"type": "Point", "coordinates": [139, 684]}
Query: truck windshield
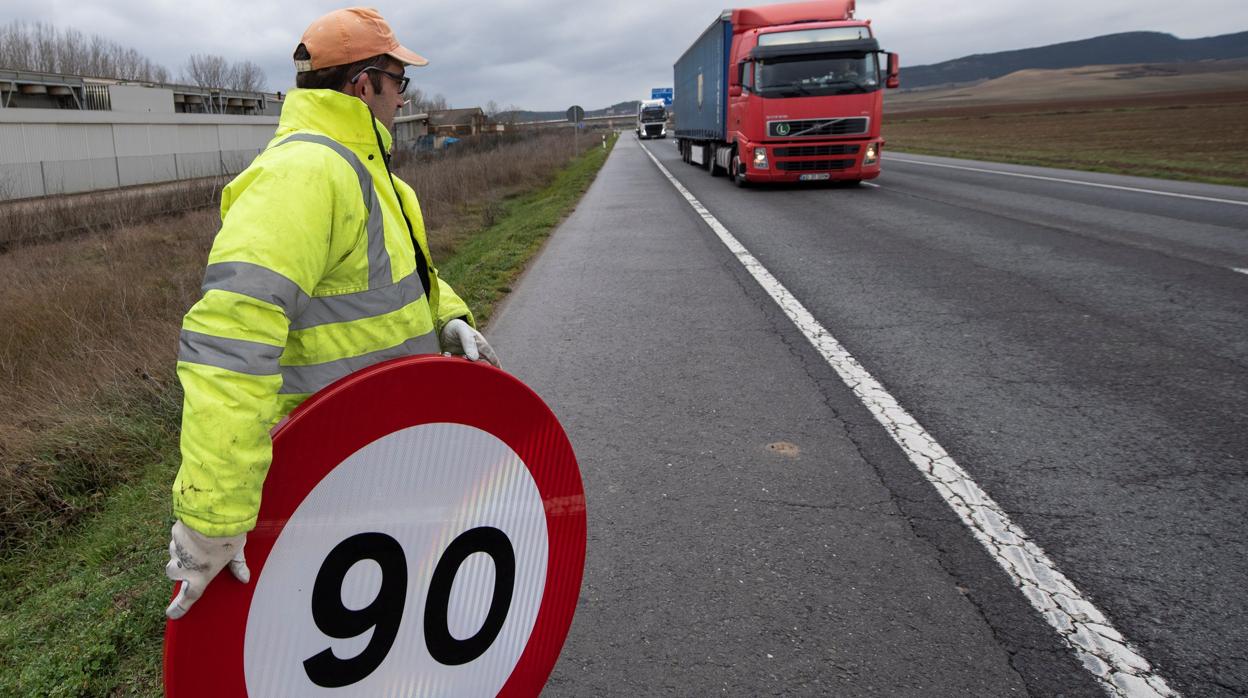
{"type": "Point", "coordinates": [830, 74]}
{"type": "Point", "coordinates": [653, 114]}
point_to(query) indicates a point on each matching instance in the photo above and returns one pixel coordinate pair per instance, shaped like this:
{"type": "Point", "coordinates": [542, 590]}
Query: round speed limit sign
{"type": "Point", "coordinates": [421, 533]}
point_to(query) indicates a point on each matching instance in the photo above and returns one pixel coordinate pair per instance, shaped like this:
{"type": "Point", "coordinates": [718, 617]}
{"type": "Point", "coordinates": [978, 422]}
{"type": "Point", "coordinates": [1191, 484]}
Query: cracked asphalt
{"type": "Point", "coordinates": [753, 530]}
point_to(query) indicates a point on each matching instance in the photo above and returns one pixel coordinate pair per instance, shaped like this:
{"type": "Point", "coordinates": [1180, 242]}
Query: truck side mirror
{"type": "Point", "coordinates": [894, 71]}
{"type": "Point", "coordinates": [734, 91]}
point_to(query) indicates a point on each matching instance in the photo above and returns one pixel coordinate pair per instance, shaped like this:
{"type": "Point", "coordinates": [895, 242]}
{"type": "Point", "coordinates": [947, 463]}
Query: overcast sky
{"type": "Point", "coordinates": [549, 54]}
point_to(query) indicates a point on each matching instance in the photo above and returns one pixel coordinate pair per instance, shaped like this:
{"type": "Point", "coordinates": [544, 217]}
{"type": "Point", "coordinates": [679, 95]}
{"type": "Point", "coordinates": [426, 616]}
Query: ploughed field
{"type": "Point", "coordinates": [1196, 136]}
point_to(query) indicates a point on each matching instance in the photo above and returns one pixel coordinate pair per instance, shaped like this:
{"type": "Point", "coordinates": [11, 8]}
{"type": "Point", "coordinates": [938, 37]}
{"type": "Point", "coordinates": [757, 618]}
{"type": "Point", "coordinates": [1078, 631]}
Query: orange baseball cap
{"type": "Point", "coordinates": [350, 35]}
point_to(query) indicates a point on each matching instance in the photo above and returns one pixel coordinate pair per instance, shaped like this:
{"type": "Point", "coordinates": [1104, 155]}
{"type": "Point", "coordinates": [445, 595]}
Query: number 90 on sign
{"type": "Point", "coordinates": [383, 615]}
{"type": "Point", "coordinates": [421, 582]}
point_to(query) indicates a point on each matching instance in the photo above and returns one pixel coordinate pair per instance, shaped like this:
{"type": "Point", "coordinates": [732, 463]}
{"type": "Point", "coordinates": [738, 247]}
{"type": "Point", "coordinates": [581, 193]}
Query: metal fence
{"type": "Point", "coordinates": [46, 178]}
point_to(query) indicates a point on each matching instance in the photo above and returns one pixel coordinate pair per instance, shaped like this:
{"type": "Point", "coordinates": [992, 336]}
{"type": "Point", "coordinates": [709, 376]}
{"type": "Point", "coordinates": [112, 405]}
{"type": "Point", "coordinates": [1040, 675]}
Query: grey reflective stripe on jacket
{"type": "Point", "coordinates": [309, 379]}
{"type": "Point", "coordinates": [303, 312]}
{"type": "Point", "coordinates": [358, 306]}
{"type": "Point", "coordinates": [255, 281]}
{"type": "Point", "coordinates": [378, 257]}
{"type": "Point", "coordinates": [238, 355]}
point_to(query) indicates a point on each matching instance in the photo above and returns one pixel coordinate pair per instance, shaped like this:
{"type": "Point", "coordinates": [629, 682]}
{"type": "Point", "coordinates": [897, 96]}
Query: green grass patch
{"type": "Point", "coordinates": [83, 615]}
{"type": "Point", "coordinates": [83, 457]}
{"type": "Point", "coordinates": [82, 609]}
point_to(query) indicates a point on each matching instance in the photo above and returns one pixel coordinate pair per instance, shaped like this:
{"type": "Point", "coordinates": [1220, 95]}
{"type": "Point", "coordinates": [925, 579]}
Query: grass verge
{"type": "Point", "coordinates": [82, 611]}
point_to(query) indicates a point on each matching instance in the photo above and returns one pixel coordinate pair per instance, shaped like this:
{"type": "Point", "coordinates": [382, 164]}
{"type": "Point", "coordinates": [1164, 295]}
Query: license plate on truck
{"type": "Point", "coordinates": [815, 176]}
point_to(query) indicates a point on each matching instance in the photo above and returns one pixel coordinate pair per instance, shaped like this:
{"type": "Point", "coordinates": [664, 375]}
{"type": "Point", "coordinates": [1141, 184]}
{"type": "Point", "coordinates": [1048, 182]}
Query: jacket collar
{"type": "Point", "coordinates": [340, 116]}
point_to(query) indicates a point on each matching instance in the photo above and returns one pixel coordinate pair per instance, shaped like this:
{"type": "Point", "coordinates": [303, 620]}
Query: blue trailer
{"type": "Point", "coordinates": [701, 79]}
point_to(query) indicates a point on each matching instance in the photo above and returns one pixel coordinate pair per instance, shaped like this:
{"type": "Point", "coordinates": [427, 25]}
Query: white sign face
{"type": "Point", "coordinates": [403, 575]}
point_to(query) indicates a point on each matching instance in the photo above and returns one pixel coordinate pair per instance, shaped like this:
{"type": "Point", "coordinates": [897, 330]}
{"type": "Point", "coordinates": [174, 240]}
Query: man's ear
{"type": "Point", "coordinates": [359, 84]}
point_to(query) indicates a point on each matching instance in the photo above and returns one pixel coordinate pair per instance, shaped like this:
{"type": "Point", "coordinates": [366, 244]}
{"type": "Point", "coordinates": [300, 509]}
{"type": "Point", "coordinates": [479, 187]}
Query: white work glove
{"type": "Point", "coordinates": [194, 559]}
{"type": "Point", "coordinates": [459, 338]}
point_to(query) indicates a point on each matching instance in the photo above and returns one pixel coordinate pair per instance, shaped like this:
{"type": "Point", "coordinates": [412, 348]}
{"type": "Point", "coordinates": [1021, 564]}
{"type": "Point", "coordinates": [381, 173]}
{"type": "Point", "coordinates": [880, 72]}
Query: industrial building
{"type": "Point", "coordinates": [62, 134]}
{"type": "Point", "coordinates": [22, 89]}
{"type": "Point", "coordinates": [65, 134]}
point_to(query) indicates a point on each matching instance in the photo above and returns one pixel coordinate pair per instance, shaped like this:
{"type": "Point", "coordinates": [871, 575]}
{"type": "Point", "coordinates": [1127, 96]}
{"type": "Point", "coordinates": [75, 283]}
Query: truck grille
{"type": "Point", "coordinates": [848, 126]}
{"type": "Point", "coordinates": [813, 165]}
{"type": "Point", "coordinates": [654, 129]}
{"type": "Point", "coordinates": [809, 151]}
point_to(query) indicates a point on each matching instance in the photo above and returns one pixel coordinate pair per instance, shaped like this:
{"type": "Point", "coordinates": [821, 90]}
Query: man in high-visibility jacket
{"type": "Point", "coordinates": [321, 268]}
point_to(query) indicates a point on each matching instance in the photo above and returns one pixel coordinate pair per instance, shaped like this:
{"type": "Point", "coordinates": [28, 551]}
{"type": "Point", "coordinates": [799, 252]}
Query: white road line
{"type": "Point", "coordinates": [1104, 652]}
{"type": "Point", "coordinates": [1241, 271]}
{"type": "Point", "coordinates": [870, 184]}
{"type": "Point", "coordinates": [1072, 181]}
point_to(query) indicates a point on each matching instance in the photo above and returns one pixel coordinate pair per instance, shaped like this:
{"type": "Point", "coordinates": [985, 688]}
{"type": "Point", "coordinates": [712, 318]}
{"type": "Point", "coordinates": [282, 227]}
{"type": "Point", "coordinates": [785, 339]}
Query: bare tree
{"type": "Point", "coordinates": [513, 114]}
{"type": "Point", "coordinates": [247, 77]}
{"type": "Point", "coordinates": [491, 109]}
{"type": "Point", "coordinates": [416, 100]}
{"type": "Point", "coordinates": [43, 48]}
{"type": "Point", "coordinates": [422, 102]}
{"type": "Point", "coordinates": [206, 70]}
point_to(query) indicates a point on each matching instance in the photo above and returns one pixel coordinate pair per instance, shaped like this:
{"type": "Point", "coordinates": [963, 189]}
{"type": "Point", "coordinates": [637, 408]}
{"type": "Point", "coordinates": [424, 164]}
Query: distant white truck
{"type": "Point", "coordinates": [651, 119]}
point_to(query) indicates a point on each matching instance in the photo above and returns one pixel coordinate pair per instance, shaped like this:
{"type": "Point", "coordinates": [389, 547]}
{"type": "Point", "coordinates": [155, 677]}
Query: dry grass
{"type": "Point", "coordinates": [52, 218]}
{"type": "Point", "coordinates": [75, 310]}
{"type": "Point", "coordinates": [461, 190]}
{"type": "Point", "coordinates": [1200, 137]}
{"type": "Point", "coordinates": [1120, 83]}
{"type": "Point", "coordinates": [94, 319]}
{"type": "Point", "coordinates": [84, 319]}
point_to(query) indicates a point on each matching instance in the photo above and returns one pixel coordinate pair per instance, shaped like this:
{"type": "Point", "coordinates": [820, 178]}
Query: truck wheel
{"type": "Point", "coordinates": [738, 172]}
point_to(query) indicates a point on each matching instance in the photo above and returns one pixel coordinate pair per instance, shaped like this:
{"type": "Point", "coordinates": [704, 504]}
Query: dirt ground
{"type": "Point", "coordinates": [1197, 136]}
{"type": "Point", "coordinates": [1084, 85]}
{"type": "Point", "coordinates": [925, 110]}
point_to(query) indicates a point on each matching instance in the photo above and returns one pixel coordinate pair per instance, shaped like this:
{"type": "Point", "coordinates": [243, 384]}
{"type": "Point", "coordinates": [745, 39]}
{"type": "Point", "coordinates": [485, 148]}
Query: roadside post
{"type": "Point", "coordinates": [404, 547]}
{"type": "Point", "coordinates": [575, 116]}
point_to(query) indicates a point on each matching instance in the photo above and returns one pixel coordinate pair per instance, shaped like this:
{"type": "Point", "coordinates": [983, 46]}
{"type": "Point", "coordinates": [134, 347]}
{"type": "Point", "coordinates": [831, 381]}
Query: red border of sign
{"type": "Point", "coordinates": [204, 650]}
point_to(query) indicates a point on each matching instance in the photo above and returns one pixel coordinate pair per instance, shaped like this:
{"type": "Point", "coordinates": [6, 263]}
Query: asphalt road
{"type": "Point", "coordinates": [1079, 350]}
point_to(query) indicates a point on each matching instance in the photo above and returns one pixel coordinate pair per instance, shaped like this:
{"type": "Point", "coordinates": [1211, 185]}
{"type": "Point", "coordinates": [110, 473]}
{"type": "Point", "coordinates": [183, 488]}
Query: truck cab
{"type": "Point", "coordinates": [805, 101]}
{"type": "Point", "coordinates": [651, 119]}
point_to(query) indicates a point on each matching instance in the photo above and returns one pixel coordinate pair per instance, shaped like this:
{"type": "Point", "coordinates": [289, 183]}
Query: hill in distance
{"type": "Point", "coordinates": [1112, 49]}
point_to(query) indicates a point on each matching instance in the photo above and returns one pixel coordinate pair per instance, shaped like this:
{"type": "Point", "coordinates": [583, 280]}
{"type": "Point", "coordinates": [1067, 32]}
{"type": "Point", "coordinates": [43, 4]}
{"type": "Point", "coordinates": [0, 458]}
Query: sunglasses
{"type": "Point", "coordinates": [400, 78]}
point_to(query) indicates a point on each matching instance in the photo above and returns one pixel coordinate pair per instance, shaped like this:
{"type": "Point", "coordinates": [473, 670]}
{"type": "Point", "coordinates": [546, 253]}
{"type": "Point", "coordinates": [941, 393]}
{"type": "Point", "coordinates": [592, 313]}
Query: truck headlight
{"type": "Point", "coordinates": [760, 158]}
{"type": "Point", "coordinates": [872, 156]}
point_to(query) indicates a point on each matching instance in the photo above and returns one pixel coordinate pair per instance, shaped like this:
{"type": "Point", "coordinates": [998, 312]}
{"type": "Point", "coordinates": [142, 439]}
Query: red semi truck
{"type": "Point", "coordinates": [784, 93]}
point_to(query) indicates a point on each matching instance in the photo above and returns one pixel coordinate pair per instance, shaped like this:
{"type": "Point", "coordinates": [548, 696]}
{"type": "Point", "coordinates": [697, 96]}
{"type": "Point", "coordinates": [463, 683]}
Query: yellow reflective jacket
{"type": "Point", "coordinates": [312, 276]}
